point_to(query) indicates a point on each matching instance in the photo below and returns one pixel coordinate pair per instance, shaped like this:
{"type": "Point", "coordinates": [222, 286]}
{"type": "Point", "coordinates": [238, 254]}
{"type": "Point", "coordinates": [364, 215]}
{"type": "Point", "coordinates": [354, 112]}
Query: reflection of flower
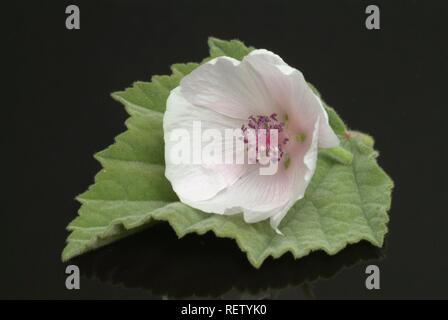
{"type": "Point", "coordinates": [261, 91]}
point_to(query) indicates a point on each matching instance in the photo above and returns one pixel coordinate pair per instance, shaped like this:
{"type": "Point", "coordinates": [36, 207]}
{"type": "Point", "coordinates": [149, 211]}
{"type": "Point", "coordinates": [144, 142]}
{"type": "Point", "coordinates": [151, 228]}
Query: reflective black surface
{"type": "Point", "coordinates": [57, 112]}
{"type": "Point", "coordinates": [208, 267]}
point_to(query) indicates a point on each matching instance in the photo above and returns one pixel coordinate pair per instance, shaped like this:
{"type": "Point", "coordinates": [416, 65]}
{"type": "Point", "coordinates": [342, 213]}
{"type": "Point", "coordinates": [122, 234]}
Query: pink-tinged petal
{"type": "Point", "coordinates": [302, 168]}
{"type": "Point", "coordinates": [196, 182]}
{"type": "Point", "coordinates": [260, 197]}
{"type": "Point", "coordinates": [225, 86]}
{"type": "Point", "coordinates": [253, 194]}
{"type": "Point", "coordinates": [292, 95]}
{"type": "Point", "coordinates": [327, 137]}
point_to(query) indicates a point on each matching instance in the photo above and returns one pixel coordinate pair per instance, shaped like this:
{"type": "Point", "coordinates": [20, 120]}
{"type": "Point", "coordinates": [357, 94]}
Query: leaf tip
{"type": "Point", "coordinates": [117, 95]}
{"type": "Point", "coordinates": [65, 254]}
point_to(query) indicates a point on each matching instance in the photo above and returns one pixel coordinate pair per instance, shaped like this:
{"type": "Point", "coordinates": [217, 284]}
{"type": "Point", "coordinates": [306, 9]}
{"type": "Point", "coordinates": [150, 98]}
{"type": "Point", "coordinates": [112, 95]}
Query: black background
{"type": "Point", "coordinates": [390, 83]}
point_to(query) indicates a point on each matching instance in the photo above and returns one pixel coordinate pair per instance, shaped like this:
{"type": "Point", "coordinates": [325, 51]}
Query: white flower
{"type": "Point", "coordinates": [260, 92]}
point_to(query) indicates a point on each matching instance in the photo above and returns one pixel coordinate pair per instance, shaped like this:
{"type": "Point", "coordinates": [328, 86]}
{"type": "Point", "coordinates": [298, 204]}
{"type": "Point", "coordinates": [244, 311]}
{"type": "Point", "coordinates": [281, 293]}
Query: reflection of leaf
{"type": "Point", "coordinates": [206, 266]}
{"type": "Point", "coordinates": [343, 204]}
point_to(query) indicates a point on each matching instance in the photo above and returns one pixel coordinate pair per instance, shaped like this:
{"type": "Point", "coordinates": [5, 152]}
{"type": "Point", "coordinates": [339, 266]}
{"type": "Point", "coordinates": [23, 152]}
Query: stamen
{"type": "Point", "coordinates": [286, 119]}
{"type": "Point", "coordinates": [300, 137]}
{"type": "Point", "coordinates": [267, 123]}
{"type": "Point", "coordinates": [287, 161]}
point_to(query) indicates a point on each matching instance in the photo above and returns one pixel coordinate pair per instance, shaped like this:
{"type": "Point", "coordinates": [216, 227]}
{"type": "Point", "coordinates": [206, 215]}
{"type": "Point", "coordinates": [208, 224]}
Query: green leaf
{"type": "Point", "coordinates": [335, 121]}
{"type": "Point", "coordinates": [346, 202]}
{"type": "Point", "coordinates": [233, 48]}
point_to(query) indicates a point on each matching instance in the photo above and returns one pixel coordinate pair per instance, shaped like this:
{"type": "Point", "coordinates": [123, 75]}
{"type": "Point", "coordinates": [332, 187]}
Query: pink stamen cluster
{"type": "Point", "coordinates": [267, 123]}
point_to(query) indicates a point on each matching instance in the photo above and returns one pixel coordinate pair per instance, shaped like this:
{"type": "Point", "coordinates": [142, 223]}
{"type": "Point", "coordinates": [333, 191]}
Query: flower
{"type": "Point", "coordinates": [259, 92]}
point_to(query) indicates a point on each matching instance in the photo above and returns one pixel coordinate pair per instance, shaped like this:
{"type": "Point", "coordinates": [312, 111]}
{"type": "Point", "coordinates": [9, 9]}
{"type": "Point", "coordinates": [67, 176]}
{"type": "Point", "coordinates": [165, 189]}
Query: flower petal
{"type": "Point", "coordinates": [292, 94]}
{"type": "Point", "coordinates": [226, 86]}
{"type": "Point", "coordinates": [253, 194]}
{"type": "Point", "coordinates": [196, 182]}
{"type": "Point", "coordinates": [303, 166]}
{"type": "Point", "coordinates": [262, 196]}
{"type": "Point", "coordinates": [327, 137]}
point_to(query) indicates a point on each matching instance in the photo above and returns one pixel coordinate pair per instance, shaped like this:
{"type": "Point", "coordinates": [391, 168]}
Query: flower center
{"type": "Point", "coordinates": [258, 133]}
